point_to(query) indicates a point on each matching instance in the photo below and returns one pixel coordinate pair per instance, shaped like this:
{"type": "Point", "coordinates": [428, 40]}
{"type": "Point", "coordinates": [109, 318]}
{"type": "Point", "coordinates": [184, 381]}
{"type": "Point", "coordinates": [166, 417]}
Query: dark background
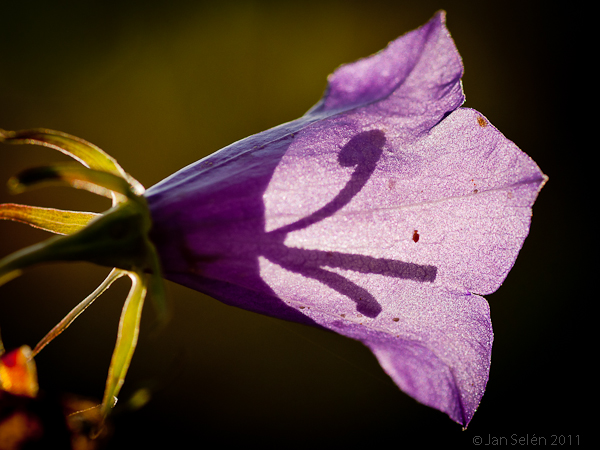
{"type": "Point", "coordinates": [159, 85]}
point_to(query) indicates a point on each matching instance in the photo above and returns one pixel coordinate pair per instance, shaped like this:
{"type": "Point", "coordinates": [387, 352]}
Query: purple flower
{"type": "Point", "coordinates": [382, 214]}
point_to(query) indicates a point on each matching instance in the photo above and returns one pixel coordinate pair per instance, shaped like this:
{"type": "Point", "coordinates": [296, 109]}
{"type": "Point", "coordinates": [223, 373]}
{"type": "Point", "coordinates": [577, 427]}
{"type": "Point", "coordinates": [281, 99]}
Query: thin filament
{"type": "Point", "coordinates": [75, 312]}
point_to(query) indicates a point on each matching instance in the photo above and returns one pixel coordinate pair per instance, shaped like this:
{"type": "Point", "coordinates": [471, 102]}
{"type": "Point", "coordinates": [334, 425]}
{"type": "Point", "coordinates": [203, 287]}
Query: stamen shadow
{"type": "Point", "coordinates": [363, 151]}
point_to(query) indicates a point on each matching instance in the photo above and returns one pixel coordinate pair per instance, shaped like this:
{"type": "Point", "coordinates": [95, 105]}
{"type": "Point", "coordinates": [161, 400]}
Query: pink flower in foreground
{"type": "Point", "coordinates": [382, 214]}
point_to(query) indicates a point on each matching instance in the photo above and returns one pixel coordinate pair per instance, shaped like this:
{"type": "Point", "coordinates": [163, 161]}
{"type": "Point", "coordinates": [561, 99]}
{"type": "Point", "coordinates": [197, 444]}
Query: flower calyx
{"type": "Point", "coordinates": [117, 238]}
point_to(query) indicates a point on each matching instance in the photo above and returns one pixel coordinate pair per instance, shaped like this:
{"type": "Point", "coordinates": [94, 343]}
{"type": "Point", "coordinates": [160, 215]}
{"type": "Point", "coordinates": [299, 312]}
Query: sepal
{"type": "Point", "coordinates": [117, 238]}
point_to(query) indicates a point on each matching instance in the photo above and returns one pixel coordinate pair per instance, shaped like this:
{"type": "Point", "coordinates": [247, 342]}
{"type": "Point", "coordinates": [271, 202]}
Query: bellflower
{"type": "Point", "coordinates": [382, 214]}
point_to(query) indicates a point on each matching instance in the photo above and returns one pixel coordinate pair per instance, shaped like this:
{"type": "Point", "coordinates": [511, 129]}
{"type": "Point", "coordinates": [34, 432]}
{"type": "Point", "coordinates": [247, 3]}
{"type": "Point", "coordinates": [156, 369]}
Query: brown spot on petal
{"type": "Point", "coordinates": [396, 319]}
{"type": "Point", "coordinates": [481, 121]}
{"type": "Point", "coordinates": [343, 315]}
{"type": "Point", "coordinates": [416, 236]}
{"type": "Point", "coordinates": [475, 191]}
{"type": "Point", "coordinates": [302, 307]}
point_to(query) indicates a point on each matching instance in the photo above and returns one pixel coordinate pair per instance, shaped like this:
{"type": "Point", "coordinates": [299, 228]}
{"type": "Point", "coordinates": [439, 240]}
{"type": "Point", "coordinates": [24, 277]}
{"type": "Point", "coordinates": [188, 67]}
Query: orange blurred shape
{"type": "Point", "coordinates": [17, 372]}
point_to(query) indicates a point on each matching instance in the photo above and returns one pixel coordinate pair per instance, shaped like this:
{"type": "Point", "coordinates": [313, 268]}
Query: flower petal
{"type": "Point", "coordinates": [420, 68]}
{"type": "Point", "coordinates": [445, 366]}
{"type": "Point", "coordinates": [377, 215]}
